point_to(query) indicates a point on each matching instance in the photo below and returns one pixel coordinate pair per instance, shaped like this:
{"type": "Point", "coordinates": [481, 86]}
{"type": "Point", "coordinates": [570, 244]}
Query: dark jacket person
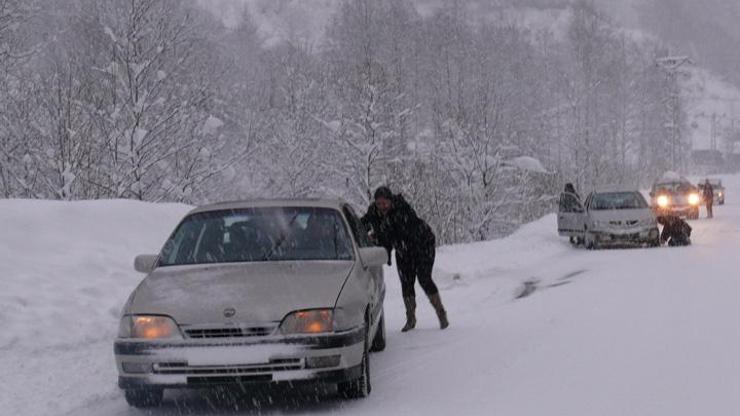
{"type": "Point", "coordinates": [708, 194]}
{"type": "Point", "coordinates": [396, 226]}
{"type": "Point", "coordinates": [676, 232]}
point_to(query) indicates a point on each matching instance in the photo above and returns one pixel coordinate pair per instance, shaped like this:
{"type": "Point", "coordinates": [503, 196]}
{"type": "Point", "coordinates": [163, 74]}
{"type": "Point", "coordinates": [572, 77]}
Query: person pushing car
{"type": "Point", "coordinates": [395, 225]}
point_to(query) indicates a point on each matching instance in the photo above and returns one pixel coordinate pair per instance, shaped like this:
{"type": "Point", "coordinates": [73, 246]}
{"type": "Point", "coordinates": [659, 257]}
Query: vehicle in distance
{"type": "Point", "coordinates": [719, 190]}
{"type": "Point", "coordinates": [675, 196]}
{"type": "Point", "coordinates": [608, 218]}
{"type": "Point", "coordinates": [255, 293]}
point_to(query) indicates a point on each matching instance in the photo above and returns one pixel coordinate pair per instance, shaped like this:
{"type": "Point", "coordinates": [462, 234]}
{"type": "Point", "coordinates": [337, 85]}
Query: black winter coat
{"type": "Point", "coordinates": [401, 229]}
{"type": "Point", "coordinates": [676, 230]}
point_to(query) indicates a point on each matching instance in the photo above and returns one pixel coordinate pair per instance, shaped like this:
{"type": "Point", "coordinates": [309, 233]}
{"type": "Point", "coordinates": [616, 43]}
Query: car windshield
{"type": "Point", "coordinates": [674, 187]}
{"type": "Point", "coordinates": [258, 234]}
{"type": "Point", "coordinates": [618, 200]}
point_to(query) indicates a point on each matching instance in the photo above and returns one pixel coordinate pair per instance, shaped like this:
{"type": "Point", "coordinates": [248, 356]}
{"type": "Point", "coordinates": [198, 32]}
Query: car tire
{"type": "Point", "coordinates": [379, 338]}
{"type": "Point", "coordinates": [144, 398]}
{"type": "Point", "coordinates": [360, 387]}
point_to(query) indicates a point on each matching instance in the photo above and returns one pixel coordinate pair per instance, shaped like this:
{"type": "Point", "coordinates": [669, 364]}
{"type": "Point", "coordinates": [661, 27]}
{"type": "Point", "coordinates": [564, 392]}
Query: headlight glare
{"type": "Point", "coordinates": [148, 327]}
{"type": "Point", "coordinates": [694, 199]}
{"type": "Point", "coordinates": [663, 201]}
{"type": "Point", "coordinates": [315, 321]}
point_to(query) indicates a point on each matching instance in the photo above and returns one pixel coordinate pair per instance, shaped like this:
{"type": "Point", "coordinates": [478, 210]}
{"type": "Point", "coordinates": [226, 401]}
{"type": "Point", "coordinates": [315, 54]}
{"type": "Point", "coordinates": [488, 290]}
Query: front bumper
{"type": "Point", "coordinates": [637, 235]}
{"type": "Point", "coordinates": [330, 358]}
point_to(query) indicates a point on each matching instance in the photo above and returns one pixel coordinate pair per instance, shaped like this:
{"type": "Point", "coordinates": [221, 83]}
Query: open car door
{"type": "Point", "coordinates": [570, 216]}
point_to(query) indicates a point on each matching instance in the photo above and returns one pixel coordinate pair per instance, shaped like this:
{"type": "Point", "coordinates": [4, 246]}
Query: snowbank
{"type": "Point", "coordinates": [67, 265]}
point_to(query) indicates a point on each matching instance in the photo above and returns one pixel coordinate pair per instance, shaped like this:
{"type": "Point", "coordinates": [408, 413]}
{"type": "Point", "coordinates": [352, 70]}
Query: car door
{"type": "Point", "coordinates": [570, 215]}
{"type": "Point", "coordinates": [374, 274]}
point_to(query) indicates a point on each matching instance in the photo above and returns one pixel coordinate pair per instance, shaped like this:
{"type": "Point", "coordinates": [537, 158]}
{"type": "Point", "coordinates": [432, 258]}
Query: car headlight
{"type": "Point", "coordinates": [694, 199]}
{"type": "Point", "coordinates": [315, 321]}
{"type": "Point", "coordinates": [148, 327]}
{"type": "Point", "coordinates": [663, 201]}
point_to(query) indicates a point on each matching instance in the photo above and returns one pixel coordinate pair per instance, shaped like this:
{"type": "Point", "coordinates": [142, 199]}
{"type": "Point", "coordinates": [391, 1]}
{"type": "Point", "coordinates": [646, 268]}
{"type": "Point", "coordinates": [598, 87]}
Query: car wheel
{"type": "Point", "coordinates": [379, 339]}
{"type": "Point", "coordinates": [144, 398]}
{"type": "Point", "coordinates": [360, 387]}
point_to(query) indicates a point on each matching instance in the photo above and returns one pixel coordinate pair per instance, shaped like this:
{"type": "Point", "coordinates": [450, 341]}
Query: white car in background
{"type": "Point", "coordinates": [255, 293]}
{"type": "Point", "coordinates": [608, 218]}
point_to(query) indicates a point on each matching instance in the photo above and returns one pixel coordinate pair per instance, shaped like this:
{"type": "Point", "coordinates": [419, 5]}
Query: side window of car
{"type": "Point", "coordinates": [358, 230]}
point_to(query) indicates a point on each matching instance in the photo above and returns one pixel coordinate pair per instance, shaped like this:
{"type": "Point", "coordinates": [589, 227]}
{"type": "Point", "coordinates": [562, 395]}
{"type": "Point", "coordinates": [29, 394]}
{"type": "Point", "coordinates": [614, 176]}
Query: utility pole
{"type": "Point", "coordinates": [671, 64]}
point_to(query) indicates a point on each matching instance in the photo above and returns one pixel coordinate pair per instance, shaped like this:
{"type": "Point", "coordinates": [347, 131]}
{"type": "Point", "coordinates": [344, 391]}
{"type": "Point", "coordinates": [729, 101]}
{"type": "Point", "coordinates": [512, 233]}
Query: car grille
{"type": "Point", "coordinates": [182, 368]}
{"type": "Point", "coordinates": [215, 381]}
{"type": "Point", "coordinates": [230, 332]}
{"type": "Point", "coordinates": [624, 224]}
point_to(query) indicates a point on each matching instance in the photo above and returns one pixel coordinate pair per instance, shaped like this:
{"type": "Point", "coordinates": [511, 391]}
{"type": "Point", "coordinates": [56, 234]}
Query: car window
{"type": "Point", "coordinates": [618, 200]}
{"type": "Point", "coordinates": [258, 234]}
{"type": "Point", "coordinates": [358, 229]}
{"type": "Point", "coordinates": [673, 187]}
{"type": "Point", "coordinates": [569, 203]}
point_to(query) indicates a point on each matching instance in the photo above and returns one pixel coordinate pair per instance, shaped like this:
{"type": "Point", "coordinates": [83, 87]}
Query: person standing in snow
{"type": "Point", "coordinates": [708, 194]}
{"type": "Point", "coordinates": [570, 189]}
{"type": "Point", "coordinates": [395, 225]}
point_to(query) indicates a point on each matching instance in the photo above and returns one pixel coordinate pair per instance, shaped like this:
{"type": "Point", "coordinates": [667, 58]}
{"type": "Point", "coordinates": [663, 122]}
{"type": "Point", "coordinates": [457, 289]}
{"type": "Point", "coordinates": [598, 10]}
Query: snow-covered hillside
{"type": "Point", "coordinates": [537, 326]}
{"type": "Point", "coordinates": [712, 102]}
{"type": "Point", "coordinates": [713, 107]}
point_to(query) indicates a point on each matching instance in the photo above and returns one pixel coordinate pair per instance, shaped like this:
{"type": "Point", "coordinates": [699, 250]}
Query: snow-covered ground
{"type": "Point", "coordinates": [538, 328]}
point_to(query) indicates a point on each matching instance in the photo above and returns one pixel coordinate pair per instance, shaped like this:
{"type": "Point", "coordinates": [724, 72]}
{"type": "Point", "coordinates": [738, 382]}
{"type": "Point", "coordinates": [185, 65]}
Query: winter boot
{"type": "Point", "coordinates": [436, 301]}
{"type": "Point", "coordinates": [410, 314]}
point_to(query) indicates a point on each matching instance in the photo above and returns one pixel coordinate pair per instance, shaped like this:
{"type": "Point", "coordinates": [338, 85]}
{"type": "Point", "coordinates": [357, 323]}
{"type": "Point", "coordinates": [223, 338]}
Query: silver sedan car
{"type": "Point", "coordinates": [608, 218]}
{"type": "Point", "coordinates": [255, 293]}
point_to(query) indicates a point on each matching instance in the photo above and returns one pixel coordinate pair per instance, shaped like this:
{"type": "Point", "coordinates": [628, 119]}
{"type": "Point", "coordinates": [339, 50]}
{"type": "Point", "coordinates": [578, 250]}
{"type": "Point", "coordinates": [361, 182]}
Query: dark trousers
{"type": "Point", "coordinates": [710, 214]}
{"type": "Point", "coordinates": [416, 265]}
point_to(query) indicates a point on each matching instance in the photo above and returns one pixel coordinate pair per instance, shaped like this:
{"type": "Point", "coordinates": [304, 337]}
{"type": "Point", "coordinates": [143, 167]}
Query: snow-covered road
{"type": "Point", "coordinates": [622, 332]}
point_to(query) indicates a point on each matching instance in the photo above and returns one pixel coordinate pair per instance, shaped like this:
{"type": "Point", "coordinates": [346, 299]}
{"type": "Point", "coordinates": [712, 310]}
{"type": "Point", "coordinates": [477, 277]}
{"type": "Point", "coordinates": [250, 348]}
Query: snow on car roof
{"type": "Point", "coordinates": [271, 203]}
{"type": "Point", "coordinates": [613, 189]}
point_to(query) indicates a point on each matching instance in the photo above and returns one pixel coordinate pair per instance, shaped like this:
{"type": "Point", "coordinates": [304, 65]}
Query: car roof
{"type": "Point", "coordinates": [271, 203]}
{"type": "Point", "coordinates": [668, 181]}
{"type": "Point", "coordinates": [613, 189]}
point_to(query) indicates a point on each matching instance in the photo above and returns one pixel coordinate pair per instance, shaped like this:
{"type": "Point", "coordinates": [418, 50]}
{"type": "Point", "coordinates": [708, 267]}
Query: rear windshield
{"type": "Point", "coordinates": [258, 234]}
{"type": "Point", "coordinates": [618, 200]}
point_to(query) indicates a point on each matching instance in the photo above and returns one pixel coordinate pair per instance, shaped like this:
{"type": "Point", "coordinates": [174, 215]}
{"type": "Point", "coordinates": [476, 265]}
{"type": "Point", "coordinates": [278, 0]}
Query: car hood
{"type": "Point", "coordinates": [258, 292]}
{"type": "Point", "coordinates": [622, 215]}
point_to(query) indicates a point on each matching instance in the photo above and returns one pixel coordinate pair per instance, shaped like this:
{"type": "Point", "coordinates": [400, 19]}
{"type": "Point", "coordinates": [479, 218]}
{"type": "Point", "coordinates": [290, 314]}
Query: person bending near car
{"type": "Point", "coordinates": [395, 225]}
{"type": "Point", "coordinates": [676, 232]}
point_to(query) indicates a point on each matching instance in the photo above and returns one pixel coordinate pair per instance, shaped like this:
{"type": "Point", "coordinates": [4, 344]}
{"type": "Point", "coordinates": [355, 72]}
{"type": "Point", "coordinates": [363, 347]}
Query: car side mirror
{"type": "Point", "coordinates": [145, 263]}
{"type": "Point", "coordinates": [652, 194]}
{"type": "Point", "coordinates": [373, 256]}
